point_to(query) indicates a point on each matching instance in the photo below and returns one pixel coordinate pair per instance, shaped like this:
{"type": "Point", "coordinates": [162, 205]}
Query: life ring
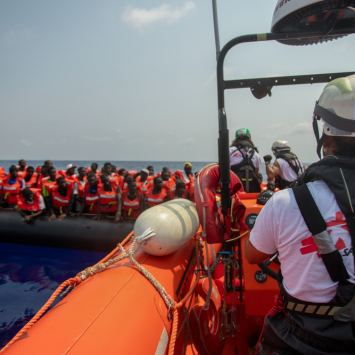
{"type": "Point", "coordinates": [205, 324]}
{"type": "Point", "coordinates": [205, 198]}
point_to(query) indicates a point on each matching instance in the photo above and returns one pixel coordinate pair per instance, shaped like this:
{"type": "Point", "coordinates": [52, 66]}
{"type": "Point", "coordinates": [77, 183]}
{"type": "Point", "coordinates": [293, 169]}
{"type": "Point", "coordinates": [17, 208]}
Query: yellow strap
{"type": "Point", "coordinates": [6, 195]}
{"type": "Point", "coordinates": [32, 212]}
{"type": "Point", "coordinates": [129, 211]}
{"type": "Point", "coordinates": [61, 209]}
{"type": "Point", "coordinates": [112, 203]}
{"type": "Point", "coordinates": [91, 206]}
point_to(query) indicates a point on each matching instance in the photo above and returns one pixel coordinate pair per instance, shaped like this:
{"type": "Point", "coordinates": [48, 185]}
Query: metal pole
{"type": "Point", "coordinates": [216, 31]}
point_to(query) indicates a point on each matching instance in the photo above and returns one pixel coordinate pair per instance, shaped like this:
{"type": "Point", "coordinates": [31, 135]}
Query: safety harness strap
{"type": "Point", "coordinates": [316, 224]}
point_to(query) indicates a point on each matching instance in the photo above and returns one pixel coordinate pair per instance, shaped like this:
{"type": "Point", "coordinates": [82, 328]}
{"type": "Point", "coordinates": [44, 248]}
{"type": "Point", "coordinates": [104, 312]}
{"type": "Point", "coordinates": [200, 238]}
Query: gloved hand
{"type": "Point", "coordinates": [267, 159]}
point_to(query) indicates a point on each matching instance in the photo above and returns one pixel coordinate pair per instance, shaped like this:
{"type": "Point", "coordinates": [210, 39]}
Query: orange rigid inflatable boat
{"type": "Point", "coordinates": [116, 309]}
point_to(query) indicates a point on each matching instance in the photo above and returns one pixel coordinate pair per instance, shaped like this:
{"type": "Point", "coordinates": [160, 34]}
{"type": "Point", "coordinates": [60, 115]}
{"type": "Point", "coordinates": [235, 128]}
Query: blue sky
{"type": "Point", "coordinates": [135, 80]}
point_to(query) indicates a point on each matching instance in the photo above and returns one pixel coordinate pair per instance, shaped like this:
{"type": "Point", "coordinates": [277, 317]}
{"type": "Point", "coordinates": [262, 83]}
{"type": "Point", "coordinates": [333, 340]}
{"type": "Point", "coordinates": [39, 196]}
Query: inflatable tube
{"type": "Point", "coordinates": [80, 233]}
{"type": "Point", "coordinates": [116, 311]}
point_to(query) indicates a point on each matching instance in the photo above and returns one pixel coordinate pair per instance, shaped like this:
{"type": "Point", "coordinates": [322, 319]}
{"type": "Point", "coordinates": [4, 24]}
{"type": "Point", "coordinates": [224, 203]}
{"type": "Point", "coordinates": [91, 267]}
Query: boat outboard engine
{"type": "Point", "coordinates": [264, 197]}
{"type": "Point", "coordinates": [312, 16]}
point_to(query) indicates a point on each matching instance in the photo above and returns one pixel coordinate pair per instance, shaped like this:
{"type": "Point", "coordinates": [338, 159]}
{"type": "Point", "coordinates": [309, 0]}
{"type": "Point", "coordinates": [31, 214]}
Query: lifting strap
{"type": "Point", "coordinates": [315, 222]}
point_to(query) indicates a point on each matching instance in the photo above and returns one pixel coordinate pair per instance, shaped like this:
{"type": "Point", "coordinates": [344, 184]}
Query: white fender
{"type": "Point", "coordinates": [174, 222]}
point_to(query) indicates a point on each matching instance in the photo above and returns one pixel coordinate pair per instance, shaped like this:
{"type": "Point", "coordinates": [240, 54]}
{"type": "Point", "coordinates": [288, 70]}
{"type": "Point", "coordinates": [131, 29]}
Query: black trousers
{"type": "Point", "coordinates": [297, 333]}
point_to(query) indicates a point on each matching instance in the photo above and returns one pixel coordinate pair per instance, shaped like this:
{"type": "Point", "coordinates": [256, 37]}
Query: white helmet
{"type": "Point", "coordinates": [336, 108]}
{"type": "Point", "coordinates": [280, 146]}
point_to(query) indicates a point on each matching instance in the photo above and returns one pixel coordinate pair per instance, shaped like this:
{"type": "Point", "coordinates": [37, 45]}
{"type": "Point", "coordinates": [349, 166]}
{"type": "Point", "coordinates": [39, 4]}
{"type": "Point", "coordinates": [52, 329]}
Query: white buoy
{"type": "Point", "coordinates": [174, 222]}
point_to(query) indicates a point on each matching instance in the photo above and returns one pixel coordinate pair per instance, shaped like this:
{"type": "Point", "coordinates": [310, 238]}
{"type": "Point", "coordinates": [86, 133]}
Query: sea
{"type": "Point", "coordinates": [30, 274]}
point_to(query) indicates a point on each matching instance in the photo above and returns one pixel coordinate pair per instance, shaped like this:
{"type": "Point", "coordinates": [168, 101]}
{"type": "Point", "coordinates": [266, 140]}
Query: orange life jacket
{"type": "Point", "coordinates": [131, 208]}
{"type": "Point", "coordinates": [190, 184]}
{"type": "Point", "coordinates": [21, 175]}
{"type": "Point", "coordinates": [35, 206]}
{"type": "Point", "coordinates": [120, 181]}
{"type": "Point", "coordinates": [71, 178]}
{"type": "Point", "coordinates": [156, 199]}
{"type": "Point", "coordinates": [48, 185]}
{"type": "Point", "coordinates": [108, 199]}
{"type": "Point", "coordinates": [81, 186]}
{"type": "Point", "coordinates": [32, 182]}
{"type": "Point", "coordinates": [91, 200]}
{"type": "Point", "coordinates": [61, 202]}
{"type": "Point", "coordinates": [2, 173]}
{"type": "Point", "coordinates": [11, 192]}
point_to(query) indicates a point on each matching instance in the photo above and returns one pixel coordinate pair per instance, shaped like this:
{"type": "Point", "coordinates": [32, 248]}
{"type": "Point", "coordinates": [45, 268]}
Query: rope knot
{"type": "Point", "coordinates": [279, 306]}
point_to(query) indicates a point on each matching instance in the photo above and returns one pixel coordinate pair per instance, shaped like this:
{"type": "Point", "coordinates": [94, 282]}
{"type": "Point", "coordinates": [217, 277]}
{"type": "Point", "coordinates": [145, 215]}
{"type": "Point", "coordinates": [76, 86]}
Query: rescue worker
{"type": "Point", "coordinates": [187, 176]}
{"type": "Point", "coordinates": [287, 167]}
{"type": "Point", "coordinates": [312, 228]}
{"type": "Point", "coordinates": [90, 197]}
{"type": "Point", "coordinates": [11, 188]}
{"type": "Point", "coordinates": [30, 177]}
{"type": "Point", "coordinates": [157, 194]}
{"type": "Point", "coordinates": [60, 199]}
{"type": "Point", "coordinates": [110, 199]}
{"type": "Point", "coordinates": [132, 201]}
{"type": "Point", "coordinates": [245, 160]}
{"type": "Point", "coordinates": [30, 204]}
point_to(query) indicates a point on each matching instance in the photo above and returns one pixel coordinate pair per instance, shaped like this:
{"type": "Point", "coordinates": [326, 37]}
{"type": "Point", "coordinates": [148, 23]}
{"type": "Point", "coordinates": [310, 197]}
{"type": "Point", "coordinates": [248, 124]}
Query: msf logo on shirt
{"type": "Point", "coordinates": [310, 247]}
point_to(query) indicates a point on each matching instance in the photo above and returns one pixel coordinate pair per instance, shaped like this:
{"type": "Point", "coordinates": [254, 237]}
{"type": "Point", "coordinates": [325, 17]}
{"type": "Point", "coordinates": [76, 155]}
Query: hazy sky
{"type": "Point", "coordinates": [135, 80]}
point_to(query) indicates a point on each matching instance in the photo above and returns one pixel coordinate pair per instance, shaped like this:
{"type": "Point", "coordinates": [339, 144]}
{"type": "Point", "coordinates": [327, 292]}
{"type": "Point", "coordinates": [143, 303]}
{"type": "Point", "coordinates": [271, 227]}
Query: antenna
{"type": "Point", "coordinates": [216, 31]}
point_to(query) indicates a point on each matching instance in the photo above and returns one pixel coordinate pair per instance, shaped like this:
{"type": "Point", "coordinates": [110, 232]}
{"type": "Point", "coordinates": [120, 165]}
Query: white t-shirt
{"type": "Point", "coordinates": [235, 157]}
{"type": "Point", "coordinates": [281, 227]}
{"type": "Point", "coordinates": [286, 172]}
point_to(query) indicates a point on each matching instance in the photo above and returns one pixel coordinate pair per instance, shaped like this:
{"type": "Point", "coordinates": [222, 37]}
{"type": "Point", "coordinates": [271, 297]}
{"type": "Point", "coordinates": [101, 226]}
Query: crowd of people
{"type": "Point", "coordinates": [111, 191]}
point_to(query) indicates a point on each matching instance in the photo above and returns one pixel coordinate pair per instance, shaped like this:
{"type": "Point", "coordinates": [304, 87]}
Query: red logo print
{"type": "Point", "coordinates": [310, 247]}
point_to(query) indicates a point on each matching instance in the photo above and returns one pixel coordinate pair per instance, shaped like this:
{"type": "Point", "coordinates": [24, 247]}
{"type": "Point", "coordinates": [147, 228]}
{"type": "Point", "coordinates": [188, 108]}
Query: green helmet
{"type": "Point", "coordinates": [242, 133]}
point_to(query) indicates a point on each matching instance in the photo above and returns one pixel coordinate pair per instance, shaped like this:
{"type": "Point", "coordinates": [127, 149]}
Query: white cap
{"type": "Point", "coordinates": [145, 171]}
{"type": "Point", "coordinates": [70, 166]}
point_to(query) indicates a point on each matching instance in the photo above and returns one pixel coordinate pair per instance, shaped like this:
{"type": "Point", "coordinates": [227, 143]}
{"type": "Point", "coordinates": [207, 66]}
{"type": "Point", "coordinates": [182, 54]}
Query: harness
{"type": "Point", "coordinates": [342, 307]}
{"type": "Point", "coordinates": [296, 167]}
{"type": "Point", "coordinates": [245, 170]}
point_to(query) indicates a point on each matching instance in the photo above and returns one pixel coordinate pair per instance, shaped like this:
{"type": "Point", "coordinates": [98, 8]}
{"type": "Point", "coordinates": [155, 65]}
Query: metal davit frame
{"type": "Point", "coordinates": [222, 85]}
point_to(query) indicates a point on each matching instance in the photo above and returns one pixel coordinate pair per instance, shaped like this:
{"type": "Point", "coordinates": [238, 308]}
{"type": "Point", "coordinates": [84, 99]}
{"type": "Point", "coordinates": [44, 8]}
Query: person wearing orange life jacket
{"type": "Point", "coordinates": [127, 179]}
{"type": "Point", "coordinates": [157, 194]}
{"type": "Point", "coordinates": [11, 188]}
{"type": "Point", "coordinates": [121, 174]}
{"type": "Point", "coordinates": [30, 204]}
{"type": "Point", "coordinates": [43, 175]}
{"type": "Point", "coordinates": [110, 199]}
{"type": "Point", "coordinates": [132, 201]}
{"type": "Point", "coordinates": [94, 169]}
{"type": "Point", "coordinates": [179, 191]}
{"type": "Point", "coordinates": [187, 176]}
{"type": "Point", "coordinates": [30, 177]}
{"type": "Point", "coordinates": [49, 182]}
{"type": "Point", "coordinates": [61, 199]}
{"type": "Point", "coordinates": [21, 167]}
{"type": "Point", "coordinates": [2, 173]}
{"type": "Point", "coordinates": [142, 180]}
{"type": "Point", "coordinates": [114, 171]}
{"type": "Point", "coordinates": [80, 181]}
{"type": "Point", "coordinates": [69, 173]}
{"type": "Point", "coordinates": [91, 197]}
